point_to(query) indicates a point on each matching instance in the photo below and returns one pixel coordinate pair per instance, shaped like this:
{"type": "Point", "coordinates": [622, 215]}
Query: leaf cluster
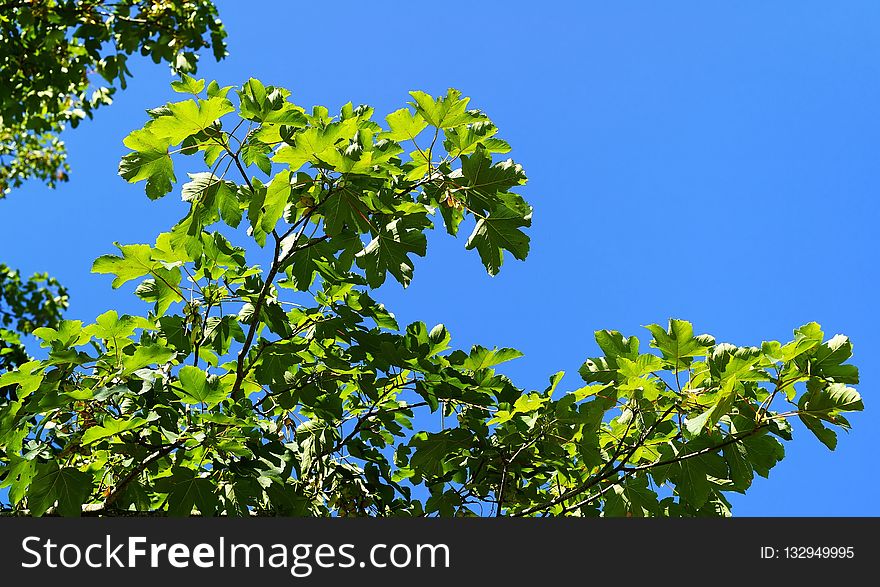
{"type": "Point", "coordinates": [284, 388]}
{"type": "Point", "coordinates": [25, 305]}
{"type": "Point", "coordinates": [60, 60]}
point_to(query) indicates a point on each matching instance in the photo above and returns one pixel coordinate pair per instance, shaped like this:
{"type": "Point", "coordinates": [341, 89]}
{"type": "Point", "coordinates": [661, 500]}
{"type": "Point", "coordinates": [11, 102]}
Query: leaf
{"type": "Point", "coordinates": [466, 139]}
{"type": "Point", "coordinates": [198, 388]}
{"type": "Point", "coordinates": [18, 477]}
{"type": "Point", "coordinates": [150, 161]}
{"type": "Point", "coordinates": [764, 452]}
{"type": "Point", "coordinates": [632, 498]}
{"type": "Point", "coordinates": [163, 291]}
{"type": "Point", "coordinates": [311, 143]}
{"type": "Point", "coordinates": [173, 328]}
{"type": "Point", "coordinates": [636, 374]}
{"type": "Point", "coordinates": [720, 407]}
{"type": "Point", "coordinates": [828, 361]}
{"type": "Point", "coordinates": [182, 119]}
{"type": "Point", "coordinates": [265, 211]}
{"type": "Point", "coordinates": [188, 85]}
{"type": "Point", "coordinates": [211, 192]}
{"type": "Point", "coordinates": [825, 402]}
{"type": "Point", "coordinates": [144, 355]}
{"type": "Point", "coordinates": [66, 485]}
{"type": "Point", "coordinates": [678, 343]}
{"type": "Point", "coordinates": [498, 232]}
{"type": "Point", "coordinates": [431, 450]}
{"type": "Point", "coordinates": [486, 184]}
{"type": "Point", "coordinates": [389, 251]}
{"type": "Point", "coordinates": [446, 111]}
{"type": "Point", "coordinates": [304, 263]}
{"type": "Point", "coordinates": [110, 326]}
{"type": "Point", "coordinates": [404, 125]}
{"type": "Point", "coordinates": [826, 436]}
{"type": "Point", "coordinates": [111, 427]}
{"type": "Point", "coordinates": [343, 209]}
{"type": "Point", "coordinates": [740, 469]}
{"type": "Point", "coordinates": [614, 344]}
{"type": "Point", "coordinates": [190, 491]}
{"type": "Point", "coordinates": [136, 261]}
{"type": "Point", "coordinates": [483, 358]}
{"type": "Point", "coordinates": [693, 485]}
{"type": "Point", "coordinates": [67, 334]}
{"type": "Point", "coordinates": [28, 377]}
{"type": "Point", "coordinates": [313, 438]}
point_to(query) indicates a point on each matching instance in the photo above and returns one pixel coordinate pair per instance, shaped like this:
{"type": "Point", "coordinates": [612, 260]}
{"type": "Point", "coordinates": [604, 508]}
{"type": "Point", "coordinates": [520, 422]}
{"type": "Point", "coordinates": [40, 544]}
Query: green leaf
{"type": "Point", "coordinates": [430, 451]}
{"type": "Point", "coordinates": [182, 119]}
{"type": "Point", "coordinates": [188, 85]}
{"type": "Point", "coordinates": [720, 407]}
{"type": "Point", "coordinates": [144, 355]}
{"type": "Point", "coordinates": [18, 477]}
{"type": "Point", "coordinates": [498, 232]}
{"type": "Point", "coordinates": [136, 261]}
{"type": "Point", "coordinates": [389, 251]}
{"type": "Point", "coordinates": [304, 263]}
{"type": "Point", "coordinates": [111, 427]}
{"type": "Point", "coordinates": [28, 377]}
{"type": "Point", "coordinates": [343, 209]}
{"type": "Point", "coordinates": [150, 161]}
{"type": "Point", "coordinates": [486, 185]}
{"type": "Point", "coordinates": [311, 143]}
{"type": "Point", "coordinates": [614, 344]}
{"type": "Point", "coordinates": [67, 334]}
{"type": "Point", "coordinates": [693, 485]}
{"type": "Point", "coordinates": [764, 452]}
{"type": "Point", "coordinates": [741, 472]}
{"type": "Point", "coordinates": [67, 486]}
{"type": "Point", "coordinates": [211, 192]}
{"type": "Point", "coordinates": [404, 125]}
{"type": "Point", "coordinates": [173, 328]}
{"type": "Point", "coordinates": [466, 139]}
{"type": "Point", "coordinates": [163, 291]}
{"type": "Point", "coordinates": [267, 209]}
{"type": "Point", "coordinates": [110, 326]}
{"type": "Point", "coordinates": [828, 360]}
{"type": "Point", "coordinates": [632, 498]}
{"type": "Point", "coordinates": [678, 343]}
{"type": "Point", "coordinates": [483, 358]}
{"type": "Point", "coordinates": [198, 388]}
{"type": "Point", "coordinates": [190, 491]}
{"type": "Point", "coordinates": [825, 402]}
{"type": "Point", "coordinates": [446, 111]}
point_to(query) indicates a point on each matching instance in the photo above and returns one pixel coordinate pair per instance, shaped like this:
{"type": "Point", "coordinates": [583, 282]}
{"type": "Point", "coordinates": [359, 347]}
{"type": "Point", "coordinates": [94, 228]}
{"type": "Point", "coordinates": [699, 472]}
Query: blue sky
{"type": "Point", "coordinates": [710, 161]}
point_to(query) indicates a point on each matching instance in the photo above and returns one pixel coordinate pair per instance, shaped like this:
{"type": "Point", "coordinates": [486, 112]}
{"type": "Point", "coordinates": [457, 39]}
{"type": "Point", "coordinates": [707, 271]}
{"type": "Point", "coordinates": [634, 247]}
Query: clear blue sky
{"type": "Point", "coordinates": [711, 161]}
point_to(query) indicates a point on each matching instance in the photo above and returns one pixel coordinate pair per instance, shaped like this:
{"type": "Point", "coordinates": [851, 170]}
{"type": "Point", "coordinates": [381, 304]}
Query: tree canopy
{"type": "Point", "coordinates": [62, 59]}
{"type": "Point", "coordinates": [26, 305]}
{"type": "Point", "coordinates": [263, 377]}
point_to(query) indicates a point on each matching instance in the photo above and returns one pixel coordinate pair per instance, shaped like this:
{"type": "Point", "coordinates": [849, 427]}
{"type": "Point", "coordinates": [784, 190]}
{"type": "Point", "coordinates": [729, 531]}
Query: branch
{"type": "Point", "coordinates": [608, 470]}
{"type": "Point", "coordinates": [120, 487]}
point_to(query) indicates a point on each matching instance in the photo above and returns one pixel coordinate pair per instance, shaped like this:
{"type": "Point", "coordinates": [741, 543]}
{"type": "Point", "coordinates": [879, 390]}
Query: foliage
{"type": "Point", "coordinates": [25, 306]}
{"type": "Point", "coordinates": [286, 389]}
{"type": "Point", "coordinates": [50, 51]}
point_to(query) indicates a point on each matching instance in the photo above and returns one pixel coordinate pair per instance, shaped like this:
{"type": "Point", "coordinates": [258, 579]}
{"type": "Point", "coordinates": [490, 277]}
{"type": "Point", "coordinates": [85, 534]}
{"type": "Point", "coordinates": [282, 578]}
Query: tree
{"type": "Point", "coordinates": [286, 389]}
{"type": "Point", "coordinates": [50, 54]}
{"type": "Point", "coordinates": [50, 51]}
{"type": "Point", "coordinates": [24, 307]}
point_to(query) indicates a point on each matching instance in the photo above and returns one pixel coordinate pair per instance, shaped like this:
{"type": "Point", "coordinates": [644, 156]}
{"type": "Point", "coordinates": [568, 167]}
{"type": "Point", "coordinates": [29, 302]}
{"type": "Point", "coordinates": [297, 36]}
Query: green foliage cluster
{"type": "Point", "coordinates": [285, 388]}
{"type": "Point", "coordinates": [50, 51]}
{"type": "Point", "coordinates": [26, 305]}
